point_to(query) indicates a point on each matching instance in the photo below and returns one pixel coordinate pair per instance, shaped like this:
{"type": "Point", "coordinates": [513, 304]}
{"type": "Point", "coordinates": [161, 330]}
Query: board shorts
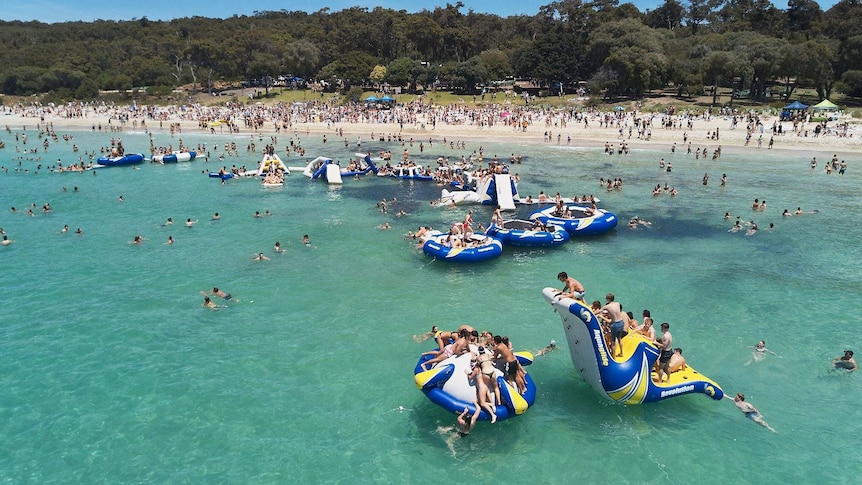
{"type": "Point", "coordinates": [617, 329]}
{"type": "Point", "coordinates": [665, 356]}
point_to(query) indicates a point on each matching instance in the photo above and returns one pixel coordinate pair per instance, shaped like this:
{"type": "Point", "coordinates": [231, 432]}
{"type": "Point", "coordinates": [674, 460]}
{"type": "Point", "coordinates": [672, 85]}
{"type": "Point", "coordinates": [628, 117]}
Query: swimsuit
{"type": "Point", "coordinates": [665, 356]}
{"type": "Point", "coordinates": [486, 365]}
{"type": "Point", "coordinates": [227, 297]}
{"type": "Point", "coordinates": [617, 329]}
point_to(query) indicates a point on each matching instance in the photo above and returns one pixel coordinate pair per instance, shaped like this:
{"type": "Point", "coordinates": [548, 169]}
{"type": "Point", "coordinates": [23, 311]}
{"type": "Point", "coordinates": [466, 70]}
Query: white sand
{"type": "Point", "coordinates": [16, 119]}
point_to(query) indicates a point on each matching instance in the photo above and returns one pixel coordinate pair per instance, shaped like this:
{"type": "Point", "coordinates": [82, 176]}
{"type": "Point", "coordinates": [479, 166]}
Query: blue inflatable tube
{"type": "Point", "coordinates": [129, 159]}
{"type": "Point", "coordinates": [178, 157]}
{"type": "Point", "coordinates": [447, 386]}
{"type": "Point", "coordinates": [583, 221]}
{"type": "Point", "coordinates": [487, 248]}
{"type": "Point", "coordinates": [626, 379]}
{"type": "Point", "coordinates": [521, 233]}
{"type": "Point", "coordinates": [217, 175]}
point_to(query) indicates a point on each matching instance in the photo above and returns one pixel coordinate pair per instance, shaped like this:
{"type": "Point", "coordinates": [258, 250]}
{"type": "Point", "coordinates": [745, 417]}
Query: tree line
{"type": "Point", "coordinates": [696, 46]}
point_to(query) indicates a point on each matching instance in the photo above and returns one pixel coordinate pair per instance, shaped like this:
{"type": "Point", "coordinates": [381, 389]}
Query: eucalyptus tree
{"type": "Point", "coordinates": [403, 71]}
{"type": "Point", "coordinates": [686, 63]}
{"type": "Point", "coordinates": [699, 13]}
{"type": "Point", "coordinates": [633, 51]}
{"type": "Point", "coordinates": [804, 17]}
{"type": "Point", "coordinates": [424, 36]}
{"type": "Point", "coordinates": [668, 16]}
{"type": "Point", "coordinates": [815, 63]}
{"type": "Point", "coordinates": [760, 56]}
{"type": "Point", "coordinates": [301, 58]}
{"type": "Point", "coordinates": [843, 20]}
{"type": "Point", "coordinates": [496, 64]}
{"type": "Point", "coordinates": [720, 66]}
{"type": "Point", "coordinates": [850, 62]}
{"type": "Point", "coordinates": [759, 16]}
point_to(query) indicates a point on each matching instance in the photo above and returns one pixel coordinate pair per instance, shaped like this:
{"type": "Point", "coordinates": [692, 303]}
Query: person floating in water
{"type": "Point", "coordinates": [550, 347]}
{"type": "Point", "coordinates": [425, 336]}
{"type": "Point", "coordinates": [219, 293]}
{"type": "Point", "coordinates": [760, 352]}
{"type": "Point", "coordinates": [845, 362]}
{"type": "Point", "coordinates": [210, 304]}
{"type": "Point", "coordinates": [749, 410]}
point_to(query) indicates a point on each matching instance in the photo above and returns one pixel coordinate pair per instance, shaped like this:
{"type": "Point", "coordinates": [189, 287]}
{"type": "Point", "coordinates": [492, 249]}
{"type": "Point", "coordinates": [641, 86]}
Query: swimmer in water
{"type": "Point", "coordinates": [277, 248]}
{"type": "Point", "coordinates": [425, 336]}
{"type": "Point", "coordinates": [462, 428]}
{"type": "Point", "coordinates": [846, 362]}
{"type": "Point", "coordinates": [760, 352]}
{"type": "Point", "coordinates": [219, 293]}
{"type": "Point", "coordinates": [260, 257]}
{"type": "Point", "coordinates": [209, 303]}
{"type": "Point", "coordinates": [551, 347]}
{"type": "Point", "coordinates": [752, 229]}
{"type": "Point", "coordinates": [749, 410]}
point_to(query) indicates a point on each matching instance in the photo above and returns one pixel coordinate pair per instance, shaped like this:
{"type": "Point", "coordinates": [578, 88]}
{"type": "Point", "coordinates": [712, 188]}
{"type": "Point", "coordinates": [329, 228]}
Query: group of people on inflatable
{"type": "Point", "coordinates": [488, 353]}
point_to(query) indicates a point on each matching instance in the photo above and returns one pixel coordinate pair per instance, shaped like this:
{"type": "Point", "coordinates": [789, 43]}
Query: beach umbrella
{"type": "Point", "coordinates": [387, 99]}
{"type": "Point", "coordinates": [620, 108]}
{"type": "Point", "coordinates": [371, 99]}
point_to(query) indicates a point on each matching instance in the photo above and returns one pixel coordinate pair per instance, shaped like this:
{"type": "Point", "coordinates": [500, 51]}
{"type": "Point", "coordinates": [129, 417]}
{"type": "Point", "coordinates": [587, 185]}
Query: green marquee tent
{"type": "Point", "coordinates": [825, 105]}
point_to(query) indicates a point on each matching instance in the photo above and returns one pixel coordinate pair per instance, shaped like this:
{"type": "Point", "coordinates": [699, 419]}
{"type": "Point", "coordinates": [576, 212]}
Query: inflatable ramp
{"type": "Point", "coordinates": [333, 173]}
{"type": "Point", "coordinates": [504, 192]}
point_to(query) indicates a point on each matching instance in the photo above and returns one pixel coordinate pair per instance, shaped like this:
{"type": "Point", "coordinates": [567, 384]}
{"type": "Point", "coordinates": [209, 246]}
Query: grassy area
{"type": "Point", "coordinates": [655, 101]}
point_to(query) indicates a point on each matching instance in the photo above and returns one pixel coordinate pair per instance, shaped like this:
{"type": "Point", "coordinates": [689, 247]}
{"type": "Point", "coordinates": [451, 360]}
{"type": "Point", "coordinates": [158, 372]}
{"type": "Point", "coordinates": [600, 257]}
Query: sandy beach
{"type": "Point", "coordinates": [545, 127]}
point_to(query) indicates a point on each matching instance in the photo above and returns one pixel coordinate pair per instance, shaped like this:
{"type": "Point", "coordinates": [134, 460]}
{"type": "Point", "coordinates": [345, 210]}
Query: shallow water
{"type": "Point", "coordinates": [111, 370]}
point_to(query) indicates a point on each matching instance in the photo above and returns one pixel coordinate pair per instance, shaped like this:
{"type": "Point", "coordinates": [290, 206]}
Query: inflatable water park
{"type": "Point", "coordinates": [175, 157]}
{"type": "Point", "coordinates": [271, 163]}
{"type": "Point", "coordinates": [627, 379]}
{"type": "Point", "coordinates": [448, 385]}
{"type": "Point", "coordinates": [454, 248]}
{"type": "Point", "coordinates": [323, 168]}
{"type": "Point", "coordinates": [518, 232]}
{"type": "Point", "coordinates": [578, 220]}
{"type": "Point", "coordinates": [119, 161]}
{"type": "Point", "coordinates": [492, 189]}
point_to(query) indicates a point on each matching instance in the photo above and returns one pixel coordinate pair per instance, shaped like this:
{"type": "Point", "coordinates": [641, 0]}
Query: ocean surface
{"type": "Point", "coordinates": [112, 372]}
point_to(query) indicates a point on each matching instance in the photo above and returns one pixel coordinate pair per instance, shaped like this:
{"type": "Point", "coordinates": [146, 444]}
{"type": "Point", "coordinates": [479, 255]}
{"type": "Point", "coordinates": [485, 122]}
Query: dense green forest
{"type": "Point", "coordinates": [695, 46]}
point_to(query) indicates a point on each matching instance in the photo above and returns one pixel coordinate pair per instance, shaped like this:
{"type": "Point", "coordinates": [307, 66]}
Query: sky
{"type": "Point", "coordinates": [53, 11]}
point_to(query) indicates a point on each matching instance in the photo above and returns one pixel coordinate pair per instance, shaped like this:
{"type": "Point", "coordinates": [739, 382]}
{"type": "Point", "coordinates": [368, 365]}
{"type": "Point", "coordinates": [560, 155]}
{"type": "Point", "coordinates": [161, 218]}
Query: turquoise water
{"type": "Point", "coordinates": [111, 371]}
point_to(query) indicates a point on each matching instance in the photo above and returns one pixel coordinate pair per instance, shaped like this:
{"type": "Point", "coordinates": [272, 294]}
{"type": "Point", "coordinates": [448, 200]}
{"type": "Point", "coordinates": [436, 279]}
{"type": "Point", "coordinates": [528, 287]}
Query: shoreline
{"type": "Point", "coordinates": [731, 140]}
